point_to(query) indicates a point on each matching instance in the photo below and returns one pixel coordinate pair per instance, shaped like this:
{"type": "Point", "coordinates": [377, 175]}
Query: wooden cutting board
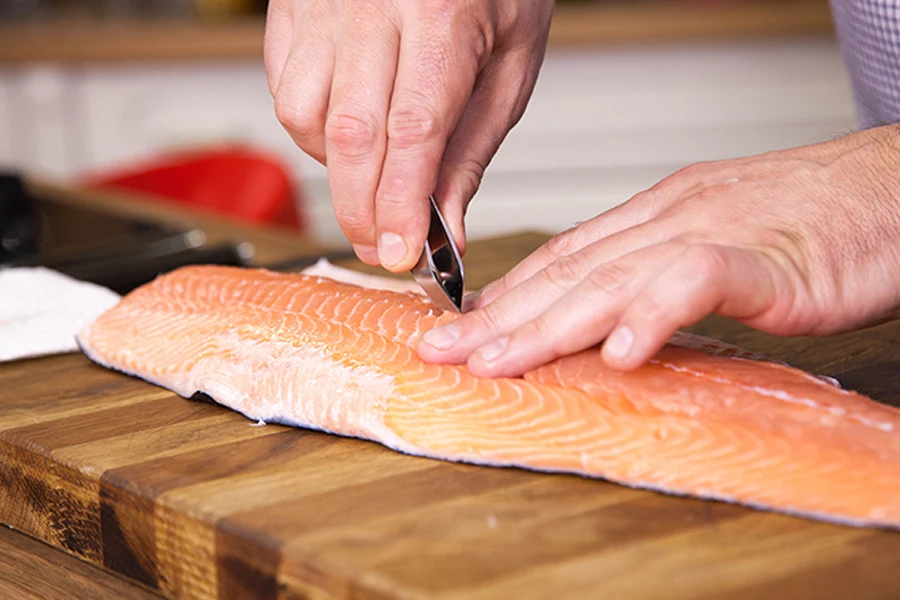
{"type": "Point", "coordinates": [195, 501]}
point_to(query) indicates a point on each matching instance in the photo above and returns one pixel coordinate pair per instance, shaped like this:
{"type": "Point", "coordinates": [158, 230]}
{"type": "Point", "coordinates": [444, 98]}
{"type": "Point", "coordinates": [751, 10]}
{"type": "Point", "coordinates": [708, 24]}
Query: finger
{"type": "Point", "coordinates": [615, 221]}
{"type": "Point", "coordinates": [277, 40]}
{"type": "Point", "coordinates": [497, 104]}
{"type": "Point", "coordinates": [578, 320]}
{"type": "Point", "coordinates": [436, 73]}
{"type": "Point", "coordinates": [453, 343]}
{"type": "Point", "coordinates": [367, 254]}
{"type": "Point", "coordinates": [641, 208]}
{"type": "Point", "coordinates": [604, 248]}
{"type": "Point", "coordinates": [355, 137]}
{"type": "Point", "coordinates": [301, 99]}
{"type": "Point", "coordinates": [705, 279]}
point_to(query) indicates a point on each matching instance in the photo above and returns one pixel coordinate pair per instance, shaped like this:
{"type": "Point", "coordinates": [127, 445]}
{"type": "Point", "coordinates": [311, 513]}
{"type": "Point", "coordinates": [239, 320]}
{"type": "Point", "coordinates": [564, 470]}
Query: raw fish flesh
{"type": "Point", "coordinates": [310, 351]}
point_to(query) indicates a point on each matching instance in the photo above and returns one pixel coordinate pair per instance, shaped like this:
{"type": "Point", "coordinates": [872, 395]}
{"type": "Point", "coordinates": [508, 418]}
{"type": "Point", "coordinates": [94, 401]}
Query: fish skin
{"type": "Point", "coordinates": [312, 352]}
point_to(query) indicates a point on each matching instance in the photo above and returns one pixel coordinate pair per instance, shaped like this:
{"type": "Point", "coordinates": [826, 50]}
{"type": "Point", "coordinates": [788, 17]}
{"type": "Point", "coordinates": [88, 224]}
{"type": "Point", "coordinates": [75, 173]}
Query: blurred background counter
{"type": "Point", "coordinates": [630, 91]}
{"type": "Point", "coordinates": [110, 30]}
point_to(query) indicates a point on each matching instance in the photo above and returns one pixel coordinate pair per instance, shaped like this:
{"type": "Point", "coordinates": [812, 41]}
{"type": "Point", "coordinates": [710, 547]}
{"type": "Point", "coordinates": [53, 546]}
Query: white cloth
{"type": "Point", "coordinates": [41, 310]}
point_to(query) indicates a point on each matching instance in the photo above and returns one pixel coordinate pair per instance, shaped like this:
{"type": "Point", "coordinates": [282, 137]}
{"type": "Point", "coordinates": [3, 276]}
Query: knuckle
{"type": "Point", "coordinates": [304, 122]}
{"type": "Point", "coordinates": [482, 42]}
{"type": "Point", "coordinates": [649, 202]}
{"type": "Point", "coordinates": [545, 330]}
{"type": "Point", "coordinates": [691, 176]}
{"type": "Point", "coordinates": [489, 318]}
{"type": "Point", "coordinates": [707, 261]}
{"type": "Point", "coordinates": [393, 203]}
{"type": "Point", "coordinates": [479, 28]}
{"type": "Point", "coordinates": [690, 238]}
{"type": "Point", "coordinates": [471, 173]}
{"type": "Point", "coordinates": [562, 244]}
{"type": "Point", "coordinates": [696, 169]}
{"type": "Point", "coordinates": [515, 15]}
{"type": "Point", "coordinates": [462, 16]}
{"type": "Point", "coordinates": [355, 224]}
{"type": "Point", "coordinates": [610, 279]}
{"type": "Point", "coordinates": [351, 133]}
{"type": "Point", "coordinates": [651, 311]}
{"type": "Point", "coordinates": [709, 193]}
{"type": "Point", "coordinates": [566, 271]}
{"type": "Point", "coordinates": [412, 124]}
{"type": "Point", "coordinates": [642, 197]}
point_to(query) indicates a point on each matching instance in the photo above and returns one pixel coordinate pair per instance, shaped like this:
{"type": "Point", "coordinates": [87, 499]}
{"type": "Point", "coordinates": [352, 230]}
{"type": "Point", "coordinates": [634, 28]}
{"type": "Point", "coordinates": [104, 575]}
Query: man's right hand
{"type": "Point", "coordinates": [402, 99]}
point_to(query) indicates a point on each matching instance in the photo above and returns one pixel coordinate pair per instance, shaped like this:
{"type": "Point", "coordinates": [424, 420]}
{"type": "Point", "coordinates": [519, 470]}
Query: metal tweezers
{"type": "Point", "coordinates": [440, 270]}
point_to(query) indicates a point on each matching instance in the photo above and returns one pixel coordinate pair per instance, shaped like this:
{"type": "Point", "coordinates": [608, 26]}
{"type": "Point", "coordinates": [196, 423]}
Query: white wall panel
{"type": "Point", "coordinates": [602, 125]}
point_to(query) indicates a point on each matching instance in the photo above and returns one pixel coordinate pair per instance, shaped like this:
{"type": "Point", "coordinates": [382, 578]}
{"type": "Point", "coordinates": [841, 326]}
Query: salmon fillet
{"type": "Point", "coordinates": [312, 352]}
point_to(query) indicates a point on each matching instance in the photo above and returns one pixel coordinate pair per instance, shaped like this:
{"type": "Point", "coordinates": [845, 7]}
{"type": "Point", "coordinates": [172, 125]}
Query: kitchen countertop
{"type": "Point", "coordinates": [575, 24]}
{"type": "Point", "coordinates": [551, 535]}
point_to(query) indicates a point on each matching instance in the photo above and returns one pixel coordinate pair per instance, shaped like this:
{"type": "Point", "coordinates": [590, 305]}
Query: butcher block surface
{"type": "Point", "coordinates": [194, 501]}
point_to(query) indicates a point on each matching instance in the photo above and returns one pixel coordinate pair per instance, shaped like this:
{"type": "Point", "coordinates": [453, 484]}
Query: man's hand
{"type": "Point", "coordinates": [402, 99]}
{"type": "Point", "coordinates": [798, 242]}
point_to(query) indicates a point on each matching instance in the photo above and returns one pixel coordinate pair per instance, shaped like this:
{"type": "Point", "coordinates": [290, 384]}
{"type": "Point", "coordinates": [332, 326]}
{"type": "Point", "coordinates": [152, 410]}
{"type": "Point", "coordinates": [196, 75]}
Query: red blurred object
{"type": "Point", "coordinates": [245, 184]}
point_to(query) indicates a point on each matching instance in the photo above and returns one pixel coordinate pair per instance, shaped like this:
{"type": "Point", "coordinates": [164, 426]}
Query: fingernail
{"type": "Point", "coordinates": [442, 337]}
{"type": "Point", "coordinates": [491, 351]}
{"type": "Point", "coordinates": [619, 342]}
{"type": "Point", "coordinates": [391, 249]}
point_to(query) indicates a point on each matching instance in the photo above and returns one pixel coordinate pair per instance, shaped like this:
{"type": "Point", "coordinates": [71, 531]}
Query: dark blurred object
{"type": "Point", "coordinates": [245, 184]}
{"type": "Point", "coordinates": [217, 9]}
{"type": "Point", "coordinates": [144, 8]}
{"type": "Point", "coordinates": [115, 252]}
{"type": "Point", "coordinates": [23, 9]}
{"type": "Point", "coordinates": [18, 219]}
{"type": "Point", "coordinates": [32, 228]}
{"type": "Point", "coordinates": [204, 9]}
{"type": "Point", "coordinates": [125, 269]}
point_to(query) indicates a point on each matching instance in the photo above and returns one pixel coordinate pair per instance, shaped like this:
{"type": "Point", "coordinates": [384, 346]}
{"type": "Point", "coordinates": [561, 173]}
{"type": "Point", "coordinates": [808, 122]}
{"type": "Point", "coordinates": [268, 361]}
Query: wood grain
{"type": "Point", "coordinates": [194, 501]}
{"type": "Point", "coordinates": [575, 23]}
{"type": "Point", "coordinates": [30, 570]}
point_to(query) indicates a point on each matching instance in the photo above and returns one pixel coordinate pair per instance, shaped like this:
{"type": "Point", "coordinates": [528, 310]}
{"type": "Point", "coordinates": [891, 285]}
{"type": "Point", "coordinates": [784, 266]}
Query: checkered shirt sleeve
{"type": "Point", "coordinates": [869, 34]}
